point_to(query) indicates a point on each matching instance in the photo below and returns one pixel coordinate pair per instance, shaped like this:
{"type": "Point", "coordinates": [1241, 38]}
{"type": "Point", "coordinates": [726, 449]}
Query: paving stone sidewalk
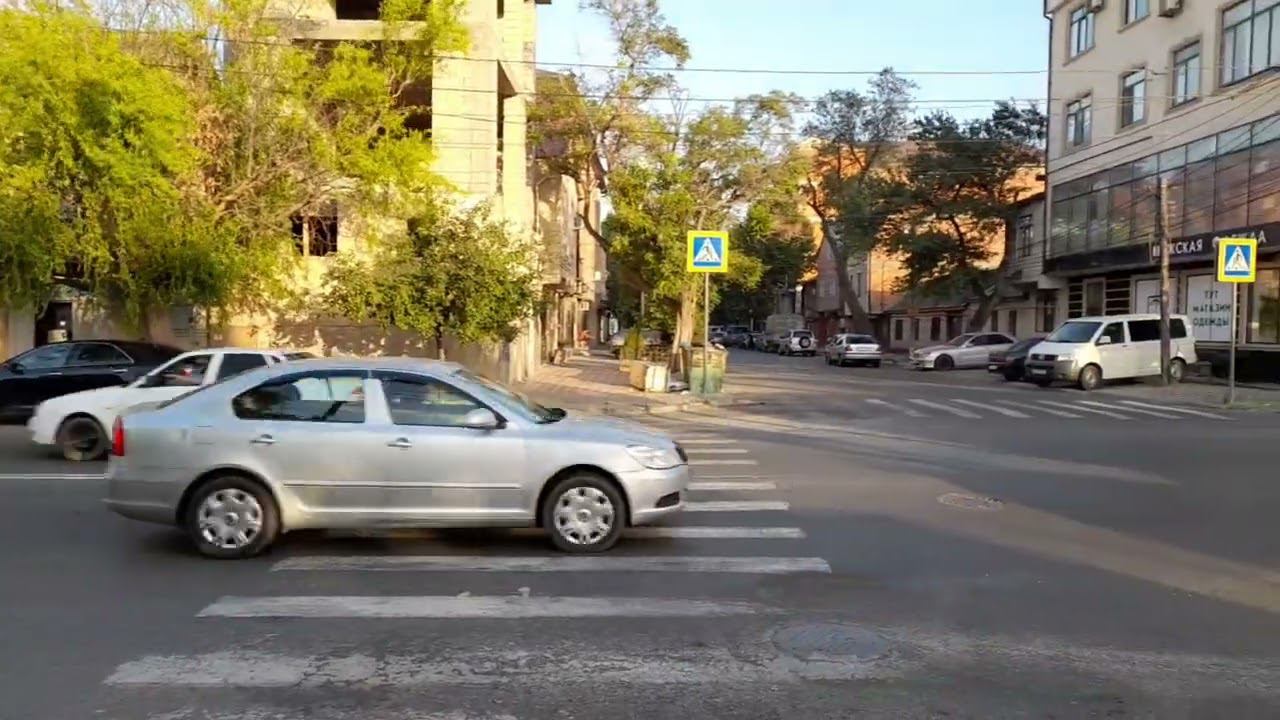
{"type": "Point", "coordinates": [1205, 391]}
{"type": "Point", "coordinates": [596, 384]}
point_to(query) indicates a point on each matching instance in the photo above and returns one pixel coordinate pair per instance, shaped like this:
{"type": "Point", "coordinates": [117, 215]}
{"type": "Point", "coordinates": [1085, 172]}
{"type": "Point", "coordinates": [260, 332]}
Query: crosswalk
{"type": "Point", "coordinates": [968, 409]}
{"type": "Point", "coordinates": [734, 535]}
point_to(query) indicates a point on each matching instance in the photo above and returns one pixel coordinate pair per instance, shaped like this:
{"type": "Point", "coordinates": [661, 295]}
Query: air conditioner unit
{"type": "Point", "coordinates": [1095, 5]}
{"type": "Point", "coordinates": [1170, 8]}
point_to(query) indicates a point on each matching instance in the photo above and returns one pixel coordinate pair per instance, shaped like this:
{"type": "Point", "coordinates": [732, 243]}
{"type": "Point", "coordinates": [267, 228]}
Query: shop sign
{"type": "Point", "coordinates": [1209, 308]}
{"type": "Point", "coordinates": [1207, 244]}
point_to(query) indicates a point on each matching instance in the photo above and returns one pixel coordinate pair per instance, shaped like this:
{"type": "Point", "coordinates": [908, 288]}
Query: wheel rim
{"type": "Point", "coordinates": [81, 437]}
{"type": "Point", "coordinates": [1175, 371]}
{"type": "Point", "coordinates": [1090, 377]}
{"type": "Point", "coordinates": [230, 519]}
{"type": "Point", "coordinates": [584, 515]}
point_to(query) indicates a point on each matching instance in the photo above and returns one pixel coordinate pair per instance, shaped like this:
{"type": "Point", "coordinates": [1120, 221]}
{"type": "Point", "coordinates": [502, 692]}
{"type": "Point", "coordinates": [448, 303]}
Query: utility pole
{"type": "Point", "coordinates": [1162, 237]}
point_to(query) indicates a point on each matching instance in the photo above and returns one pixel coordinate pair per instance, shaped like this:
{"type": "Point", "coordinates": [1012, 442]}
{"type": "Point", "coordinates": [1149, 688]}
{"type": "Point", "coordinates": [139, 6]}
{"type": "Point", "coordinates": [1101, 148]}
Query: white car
{"type": "Point", "coordinates": [963, 351]}
{"type": "Point", "coordinates": [77, 423]}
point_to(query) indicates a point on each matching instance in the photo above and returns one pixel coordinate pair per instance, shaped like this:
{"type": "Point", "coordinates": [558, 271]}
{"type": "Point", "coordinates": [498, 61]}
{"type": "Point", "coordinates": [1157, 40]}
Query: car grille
{"type": "Point", "coordinates": [1045, 358]}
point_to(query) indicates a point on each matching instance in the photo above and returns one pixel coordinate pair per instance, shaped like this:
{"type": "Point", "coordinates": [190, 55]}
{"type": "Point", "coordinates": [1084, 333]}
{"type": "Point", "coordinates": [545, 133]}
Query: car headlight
{"type": "Point", "coordinates": [654, 458]}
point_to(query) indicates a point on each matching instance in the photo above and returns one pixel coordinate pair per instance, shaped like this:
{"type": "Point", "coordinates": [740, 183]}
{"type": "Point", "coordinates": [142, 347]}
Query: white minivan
{"type": "Point", "coordinates": [1090, 350]}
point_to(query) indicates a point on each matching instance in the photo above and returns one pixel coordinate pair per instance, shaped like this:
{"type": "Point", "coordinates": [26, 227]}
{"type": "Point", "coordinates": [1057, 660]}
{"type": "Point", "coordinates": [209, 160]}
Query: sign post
{"type": "Point", "coordinates": [708, 252]}
{"type": "Point", "coordinates": [1237, 263]}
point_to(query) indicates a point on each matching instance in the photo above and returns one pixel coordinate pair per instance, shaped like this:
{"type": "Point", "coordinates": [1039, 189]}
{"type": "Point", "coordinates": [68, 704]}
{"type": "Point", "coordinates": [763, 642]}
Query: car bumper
{"type": "Point", "coordinates": [150, 496]}
{"type": "Point", "coordinates": [1066, 371]}
{"type": "Point", "coordinates": [863, 356]}
{"type": "Point", "coordinates": [648, 489]}
{"type": "Point", "coordinates": [43, 428]}
{"type": "Point", "coordinates": [925, 363]}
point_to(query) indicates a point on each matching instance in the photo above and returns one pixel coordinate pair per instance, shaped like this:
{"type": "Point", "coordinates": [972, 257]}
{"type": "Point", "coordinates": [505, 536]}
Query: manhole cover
{"type": "Point", "coordinates": [970, 502]}
{"type": "Point", "coordinates": [829, 640]}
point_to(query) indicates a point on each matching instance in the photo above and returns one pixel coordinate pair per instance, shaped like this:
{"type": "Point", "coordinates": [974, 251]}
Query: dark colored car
{"type": "Point", "coordinates": [61, 368]}
{"type": "Point", "coordinates": [1012, 363]}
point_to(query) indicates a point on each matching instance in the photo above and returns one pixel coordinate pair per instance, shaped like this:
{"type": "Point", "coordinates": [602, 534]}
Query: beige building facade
{"type": "Point", "coordinates": [1167, 107]}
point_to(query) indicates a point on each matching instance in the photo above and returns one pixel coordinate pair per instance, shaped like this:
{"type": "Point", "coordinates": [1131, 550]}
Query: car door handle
{"type": "Point", "coordinates": [402, 443]}
{"type": "Point", "coordinates": [263, 440]}
{"type": "Point", "coordinates": [121, 370]}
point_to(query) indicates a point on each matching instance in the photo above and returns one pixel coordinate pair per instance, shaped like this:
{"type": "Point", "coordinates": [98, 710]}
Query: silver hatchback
{"type": "Point", "coordinates": [383, 443]}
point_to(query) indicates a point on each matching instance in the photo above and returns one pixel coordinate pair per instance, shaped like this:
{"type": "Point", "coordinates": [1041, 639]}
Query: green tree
{"type": "Point", "coordinates": [857, 140]}
{"type": "Point", "coordinates": [783, 244]}
{"type": "Point", "coordinates": [454, 272]}
{"type": "Point", "coordinates": [962, 181]}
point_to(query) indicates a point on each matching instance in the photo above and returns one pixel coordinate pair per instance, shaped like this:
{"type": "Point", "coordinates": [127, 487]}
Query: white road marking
{"type": "Point", "coordinates": [695, 451]}
{"type": "Point", "coordinates": [708, 441]}
{"type": "Point", "coordinates": [908, 411]}
{"type": "Point", "coordinates": [1059, 413]}
{"type": "Point", "coordinates": [52, 476]}
{"type": "Point", "coordinates": [947, 408]}
{"type": "Point", "coordinates": [501, 607]}
{"type": "Point", "coordinates": [737, 506]}
{"type": "Point", "coordinates": [718, 533]}
{"type": "Point", "coordinates": [1166, 416]}
{"type": "Point", "coordinates": [557, 563]}
{"type": "Point", "coordinates": [992, 408]}
{"type": "Point", "coordinates": [695, 462]}
{"type": "Point", "coordinates": [1080, 408]}
{"type": "Point", "coordinates": [1187, 411]}
{"type": "Point", "coordinates": [743, 485]}
{"type": "Point", "coordinates": [273, 713]}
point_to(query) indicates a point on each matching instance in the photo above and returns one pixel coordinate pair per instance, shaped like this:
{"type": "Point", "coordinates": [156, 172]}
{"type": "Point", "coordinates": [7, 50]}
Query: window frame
{"type": "Point", "coordinates": [1255, 309]}
{"type": "Point", "coordinates": [1133, 98]}
{"type": "Point", "coordinates": [1078, 122]}
{"type": "Point", "coordinates": [1102, 331]}
{"type": "Point", "coordinates": [1081, 31]}
{"type": "Point", "coordinates": [1131, 8]}
{"type": "Point", "coordinates": [1246, 30]}
{"type": "Point", "coordinates": [1183, 65]}
{"type": "Point", "coordinates": [73, 361]}
{"type": "Point", "coordinates": [381, 376]}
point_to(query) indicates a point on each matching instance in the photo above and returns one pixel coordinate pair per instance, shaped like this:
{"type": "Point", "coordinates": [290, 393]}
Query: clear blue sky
{"type": "Point", "coordinates": [835, 35]}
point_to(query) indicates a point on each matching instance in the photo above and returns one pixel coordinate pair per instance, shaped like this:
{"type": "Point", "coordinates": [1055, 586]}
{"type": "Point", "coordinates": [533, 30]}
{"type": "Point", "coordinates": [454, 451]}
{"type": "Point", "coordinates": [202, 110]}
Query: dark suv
{"type": "Point", "coordinates": [67, 367]}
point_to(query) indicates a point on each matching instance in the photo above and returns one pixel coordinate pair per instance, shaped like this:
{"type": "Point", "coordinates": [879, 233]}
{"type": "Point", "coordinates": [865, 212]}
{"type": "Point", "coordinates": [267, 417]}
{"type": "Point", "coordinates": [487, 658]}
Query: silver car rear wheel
{"type": "Point", "coordinates": [232, 517]}
{"type": "Point", "coordinates": [584, 514]}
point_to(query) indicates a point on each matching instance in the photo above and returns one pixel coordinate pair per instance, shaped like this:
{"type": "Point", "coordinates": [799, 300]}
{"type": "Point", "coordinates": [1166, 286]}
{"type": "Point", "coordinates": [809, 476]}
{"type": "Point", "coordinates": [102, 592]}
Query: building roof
{"type": "Point", "coordinates": [926, 299]}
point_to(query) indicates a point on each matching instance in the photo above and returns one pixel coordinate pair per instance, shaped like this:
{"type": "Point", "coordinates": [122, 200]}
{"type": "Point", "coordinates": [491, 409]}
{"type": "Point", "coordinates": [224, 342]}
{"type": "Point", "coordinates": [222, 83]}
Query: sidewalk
{"type": "Point", "coordinates": [1204, 390]}
{"type": "Point", "coordinates": [594, 384]}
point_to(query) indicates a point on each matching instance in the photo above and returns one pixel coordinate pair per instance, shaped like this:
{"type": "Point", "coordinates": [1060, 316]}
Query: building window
{"type": "Point", "coordinates": [1013, 323]}
{"type": "Point", "coordinates": [1186, 74]}
{"type": "Point", "coordinates": [357, 9]}
{"type": "Point", "coordinates": [1080, 38]}
{"type": "Point", "coordinates": [1026, 235]}
{"type": "Point", "coordinates": [1133, 98]}
{"type": "Point", "coordinates": [1135, 10]}
{"type": "Point", "coordinates": [897, 329]}
{"type": "Point", "coordinates": [1264, 308]}
{"type": "Point", "coordinates": [995, 321]}
{"type": "Point", "coordinates": [1095, 294]}
{"type": "Point", "coordinates": [502, 9]}
{"type": "Point", "coordinates": [1079, 121]}
{"type": "Point", "coordinates": [915, 329]}
{"type": "Point", "coordinates": [315, 235]}
{"type": "Point", "coordinates": [1250, 39]}
{"type": "Point", "coordinates": [935, 328]}
{"type": "Point", "coordinates": [1047, 317]}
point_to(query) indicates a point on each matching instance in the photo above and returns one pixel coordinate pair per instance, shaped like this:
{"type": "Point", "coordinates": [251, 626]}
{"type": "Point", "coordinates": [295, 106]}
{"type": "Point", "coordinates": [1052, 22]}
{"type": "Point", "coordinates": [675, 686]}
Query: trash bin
{"type": "Point", "coordinates": [649, 377]}
{"type": "Point", "coordinates": [717, 364]}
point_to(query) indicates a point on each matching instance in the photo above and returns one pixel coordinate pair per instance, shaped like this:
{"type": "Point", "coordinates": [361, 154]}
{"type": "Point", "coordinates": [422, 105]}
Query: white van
{"type": "Point", "coordinates": [1090, 350]}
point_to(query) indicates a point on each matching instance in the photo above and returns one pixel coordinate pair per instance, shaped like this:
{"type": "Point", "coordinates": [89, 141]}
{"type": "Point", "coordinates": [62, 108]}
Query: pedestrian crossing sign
{"type": "Point", "coordinates": [708, 251]}
{"type": "Point", "coordinates": [1237, 260]}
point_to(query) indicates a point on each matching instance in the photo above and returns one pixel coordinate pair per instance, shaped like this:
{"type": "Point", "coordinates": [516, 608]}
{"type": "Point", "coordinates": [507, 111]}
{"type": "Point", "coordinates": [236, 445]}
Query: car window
{"type": "Point", "coordinates": [1074, 332]}
{"type": "Point", "coordinates": [862, 339]}
{"type": "Point", "coordinates": [1177, 328]}
{"type": "Point", "coordinates": [186, 371]}
{"type": "Point", "coordinates": [43, 358]}
{"type": "Point", "coordinates": [958, 340]}
{"type": "Point", "coordinates": [1115, 331]}
{"type": "Point", "coordinates": [97, 354]}
{"type": "Point", "coordinates": [236, 363]}
{"type": "Point", "coordinates": [334, 398]}
{"type": "Point", "coordinates": [423, 401]}
{"type": "Point", "coordinates": [1144, 330]}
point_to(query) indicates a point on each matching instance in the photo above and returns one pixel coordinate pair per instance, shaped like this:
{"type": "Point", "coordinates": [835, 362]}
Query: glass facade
{"type": "Point", "coordinates": [1225, 182]}
{"type": "Point", "coordinates": [1264, 307]}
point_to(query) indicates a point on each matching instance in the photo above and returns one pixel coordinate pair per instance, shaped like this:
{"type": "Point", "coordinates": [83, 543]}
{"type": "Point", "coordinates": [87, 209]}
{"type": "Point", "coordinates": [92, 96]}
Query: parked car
{"type": "Point", "coordinates": [1088, 351]}
{"type": "Point", "coordinates": [648, 338]}
{"type": "Point", "coordinates": [61, 368]}
{"type": "Point", "coordinates": [850, 348]}
{"type": "Point", "coordinates": [797, 342]}
{"type": "Point", "coordinates": [963, 351]}
{"type": "Point", "coordinates": [736, 335]}
{"type": "Point", "coordinates": [1012, 363]}
{"type": "Point", "coordinates": [388, 442]}
{"type": "Point", "coordinates": [76, 423]}
{"type": "Point", "coordinates": [757, 341]}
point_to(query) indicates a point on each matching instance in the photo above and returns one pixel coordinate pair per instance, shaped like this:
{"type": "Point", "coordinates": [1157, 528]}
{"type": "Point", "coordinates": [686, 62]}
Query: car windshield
{"type": "Point", "coordinates": [513, 401]}
{"type": "Point", "coordinates": [1075, 332]}
{"type": "Point", "coordinates": [1025, 344]}
{"type": "Point", "coordinates": [959, 340]}
{"type": "Point", "coordinates": [861, 339]}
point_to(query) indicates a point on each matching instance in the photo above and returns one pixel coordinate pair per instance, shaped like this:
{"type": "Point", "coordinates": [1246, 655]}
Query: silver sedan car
{"type": "Point", "coordinates": [383, 443]}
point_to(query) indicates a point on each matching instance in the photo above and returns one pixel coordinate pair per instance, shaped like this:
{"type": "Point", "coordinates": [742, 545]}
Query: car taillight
{"type": "Point", "coordinates": [117, 438]}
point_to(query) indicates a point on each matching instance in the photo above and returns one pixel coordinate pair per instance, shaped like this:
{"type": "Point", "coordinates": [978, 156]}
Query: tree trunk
{"type": "Point", "coordinates": [848, 300]}
{"type": "Point", "coordinates": [986, 304]}
{"type": "Point", "coordinates": [684, 328]}
{"type": "Point", "coordinates": [440, 345]}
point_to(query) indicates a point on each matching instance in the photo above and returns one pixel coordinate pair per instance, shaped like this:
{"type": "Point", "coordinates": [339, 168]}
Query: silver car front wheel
{"type": "Point", "coordinates": [584, 514]}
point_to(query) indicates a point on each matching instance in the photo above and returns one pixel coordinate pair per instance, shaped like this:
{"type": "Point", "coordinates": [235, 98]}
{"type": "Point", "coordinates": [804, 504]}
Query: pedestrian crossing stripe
{"type": "Point", "coordinates": [1237, 260]}
{"type": "Point", "coordinates": [708, 251]}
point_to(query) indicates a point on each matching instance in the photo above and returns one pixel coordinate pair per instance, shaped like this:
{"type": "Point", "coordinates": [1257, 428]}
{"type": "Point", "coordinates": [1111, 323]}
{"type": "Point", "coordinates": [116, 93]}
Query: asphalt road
{"type": "Point", "coordinates": [847, 559]}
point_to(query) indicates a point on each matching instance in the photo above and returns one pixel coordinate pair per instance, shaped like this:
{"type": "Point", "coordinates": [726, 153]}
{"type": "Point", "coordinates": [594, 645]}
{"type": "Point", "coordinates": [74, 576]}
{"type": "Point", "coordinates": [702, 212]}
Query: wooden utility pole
{"type": "Point", "coordinates": [1162, 237]}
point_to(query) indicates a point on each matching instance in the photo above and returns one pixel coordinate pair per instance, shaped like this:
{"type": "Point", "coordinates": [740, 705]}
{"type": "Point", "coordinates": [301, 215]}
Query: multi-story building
{"type": "Point", "coordinates": [1171, 109]}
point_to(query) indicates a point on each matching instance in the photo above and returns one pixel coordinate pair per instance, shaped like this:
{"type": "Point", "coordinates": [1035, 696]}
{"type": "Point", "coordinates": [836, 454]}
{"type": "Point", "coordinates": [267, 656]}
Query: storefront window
{"type": "Point", "coordinates": [1264, 320]}
{"type": "Point", "coordinates": [1121, 213]}
{"type": "Point", "coordinates": [1231, 195]}
{"type": "Point", "coordinates": [1264, 184]}
{"type": "Point", "coordinates": [1198, 199]}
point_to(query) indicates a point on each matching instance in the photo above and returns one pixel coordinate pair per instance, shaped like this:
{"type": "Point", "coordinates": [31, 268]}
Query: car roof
{"type": "Point", "coordinates": [378, 363]}
{"type": "Point", "coordinates": [1118, 318]}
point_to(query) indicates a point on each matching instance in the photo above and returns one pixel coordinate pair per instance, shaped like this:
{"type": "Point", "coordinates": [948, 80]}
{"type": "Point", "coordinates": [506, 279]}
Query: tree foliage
{"type": "Point", "coordinates": [857, 140]}
{"type": "Point", "coordinates": [782, 243]}
{"type": "Point", "coordinates": [454, 272]}
{"type": "Point", "coordinates": [960, 184]}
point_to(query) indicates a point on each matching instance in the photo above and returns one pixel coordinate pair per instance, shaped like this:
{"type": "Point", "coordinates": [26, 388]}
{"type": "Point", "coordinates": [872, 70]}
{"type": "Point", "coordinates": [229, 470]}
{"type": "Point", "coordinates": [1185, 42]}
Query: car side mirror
{"type": "Point", "coordinates": [481, 419]}
{"type": "Point", "coordinates": [16, 368]}
{"type": "Point", "coordinates": [1104, 340]}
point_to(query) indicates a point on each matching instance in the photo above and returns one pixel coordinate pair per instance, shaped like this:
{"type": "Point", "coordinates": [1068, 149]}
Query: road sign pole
{"type": "Point", "coordinates": [1231, 354]}
{"type": "Point", "coordinates": [706, 328]}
